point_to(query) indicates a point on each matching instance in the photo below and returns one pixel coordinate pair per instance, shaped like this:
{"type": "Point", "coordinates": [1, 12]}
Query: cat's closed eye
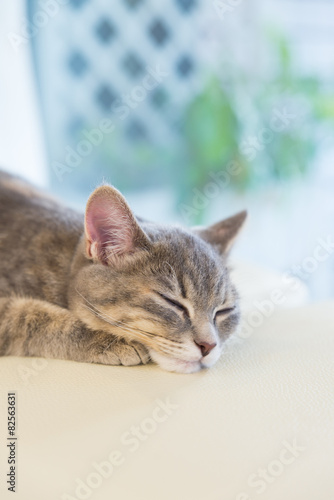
{"type": "Point", "coordinates": [174, 303]}
{"type": "Point", "coordinates": [223, 313]}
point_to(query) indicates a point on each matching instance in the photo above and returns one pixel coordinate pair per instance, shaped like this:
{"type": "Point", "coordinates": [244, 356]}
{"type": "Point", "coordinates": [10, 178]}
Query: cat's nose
{"type": "Point", "coordinates": [205, 347]}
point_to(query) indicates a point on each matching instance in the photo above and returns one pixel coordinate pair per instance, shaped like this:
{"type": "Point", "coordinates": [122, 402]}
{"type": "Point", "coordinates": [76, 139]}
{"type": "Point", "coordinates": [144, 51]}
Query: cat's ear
{"type": "Point", "coordinates": [111, 229]}
{"type": "Point", "coordinates": [223, 234]}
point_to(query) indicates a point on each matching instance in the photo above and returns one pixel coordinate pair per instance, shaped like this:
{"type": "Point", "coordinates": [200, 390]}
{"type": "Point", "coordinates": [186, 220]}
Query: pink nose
{"type": "Point", "coordinates": [205, 347]}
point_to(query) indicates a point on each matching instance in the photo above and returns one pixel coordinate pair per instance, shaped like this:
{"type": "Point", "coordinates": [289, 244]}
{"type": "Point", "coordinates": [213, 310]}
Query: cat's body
{"type": "Point", "coordinates": [33, 227]}
{"type": "Point", "coordinates": [105, 289]}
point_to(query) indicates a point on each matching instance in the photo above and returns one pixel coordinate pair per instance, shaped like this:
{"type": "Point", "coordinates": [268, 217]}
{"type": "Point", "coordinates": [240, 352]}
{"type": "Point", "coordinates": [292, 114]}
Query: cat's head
{"type": "Point", "coordinates": [164, 286]}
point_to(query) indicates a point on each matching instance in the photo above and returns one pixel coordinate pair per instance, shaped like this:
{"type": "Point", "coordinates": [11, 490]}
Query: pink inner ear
{"type": "Point", "coordinates": [109, 227]}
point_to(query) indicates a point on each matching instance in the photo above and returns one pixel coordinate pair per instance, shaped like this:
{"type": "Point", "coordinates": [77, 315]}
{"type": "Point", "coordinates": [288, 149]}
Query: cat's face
{"type": "Point", "coordinates": [165, 287]}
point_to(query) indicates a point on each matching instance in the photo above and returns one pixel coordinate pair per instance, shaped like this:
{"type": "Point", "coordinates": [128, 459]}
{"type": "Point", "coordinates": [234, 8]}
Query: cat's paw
{"type": "Point", "coordinates": [119, 352]}
{"type": "Point", "coordinates": [132, 354]}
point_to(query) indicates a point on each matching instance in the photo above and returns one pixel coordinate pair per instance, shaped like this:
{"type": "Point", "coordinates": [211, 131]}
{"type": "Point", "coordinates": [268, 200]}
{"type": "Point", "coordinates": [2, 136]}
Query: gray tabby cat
{"type": "Point", "coordinates": [108, 287]}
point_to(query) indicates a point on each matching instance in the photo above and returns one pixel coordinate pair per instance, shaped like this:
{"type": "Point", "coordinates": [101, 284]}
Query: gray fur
{"type": "Point", "coordinates": [65, 295]}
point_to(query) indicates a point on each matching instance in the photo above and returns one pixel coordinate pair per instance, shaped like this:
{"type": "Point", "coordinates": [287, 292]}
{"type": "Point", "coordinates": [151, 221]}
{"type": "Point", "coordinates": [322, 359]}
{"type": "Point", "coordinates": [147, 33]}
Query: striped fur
{"type": "Point", "coordinates": [110, 289]}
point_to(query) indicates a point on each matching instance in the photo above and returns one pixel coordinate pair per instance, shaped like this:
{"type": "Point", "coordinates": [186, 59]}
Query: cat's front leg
{"type": "Point", "coordinates": [109, 350]}
{"type": "Point", "coordinates": [30, 327]}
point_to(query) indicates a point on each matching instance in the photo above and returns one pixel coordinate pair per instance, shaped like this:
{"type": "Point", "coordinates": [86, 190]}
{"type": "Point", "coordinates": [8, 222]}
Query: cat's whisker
{"type": "Point", "coordinates": [155, 341]}
{"type": "Point", "coordinates": [136, 334]}
{"type": "Point", "coordinates": [105, 318]}
{"type": "Point", "coordinates": [121, 322]}
{"type": "Point", "coordinates": [170, 344]}
{"type": "Point", "coordinates": [147, 357]}
{"type": "Point", "coordinates": [98, 315]}
{"type": "Point", "coordinates": [163, 349]}
{"type": "Point", "coordinates": [94, 308]}
{"type": "Point", "coordinates": [172, 351]}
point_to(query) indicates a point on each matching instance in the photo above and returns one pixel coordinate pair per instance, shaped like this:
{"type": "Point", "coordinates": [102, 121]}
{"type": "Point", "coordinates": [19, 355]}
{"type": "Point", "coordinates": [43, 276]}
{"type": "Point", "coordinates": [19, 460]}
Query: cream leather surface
{"type": "Point", "coordinates": [256, 284]}
{"type": "Point", "coordinates": [259, 425]}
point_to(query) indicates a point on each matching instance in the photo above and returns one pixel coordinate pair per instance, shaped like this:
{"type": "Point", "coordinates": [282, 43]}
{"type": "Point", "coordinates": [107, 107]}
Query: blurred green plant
{"type": "Point", "coordinates": [270, 124]}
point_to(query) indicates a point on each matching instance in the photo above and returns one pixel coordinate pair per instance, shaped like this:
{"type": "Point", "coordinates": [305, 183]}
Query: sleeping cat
{"type": "Point", "coordinates": [109, 287]}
